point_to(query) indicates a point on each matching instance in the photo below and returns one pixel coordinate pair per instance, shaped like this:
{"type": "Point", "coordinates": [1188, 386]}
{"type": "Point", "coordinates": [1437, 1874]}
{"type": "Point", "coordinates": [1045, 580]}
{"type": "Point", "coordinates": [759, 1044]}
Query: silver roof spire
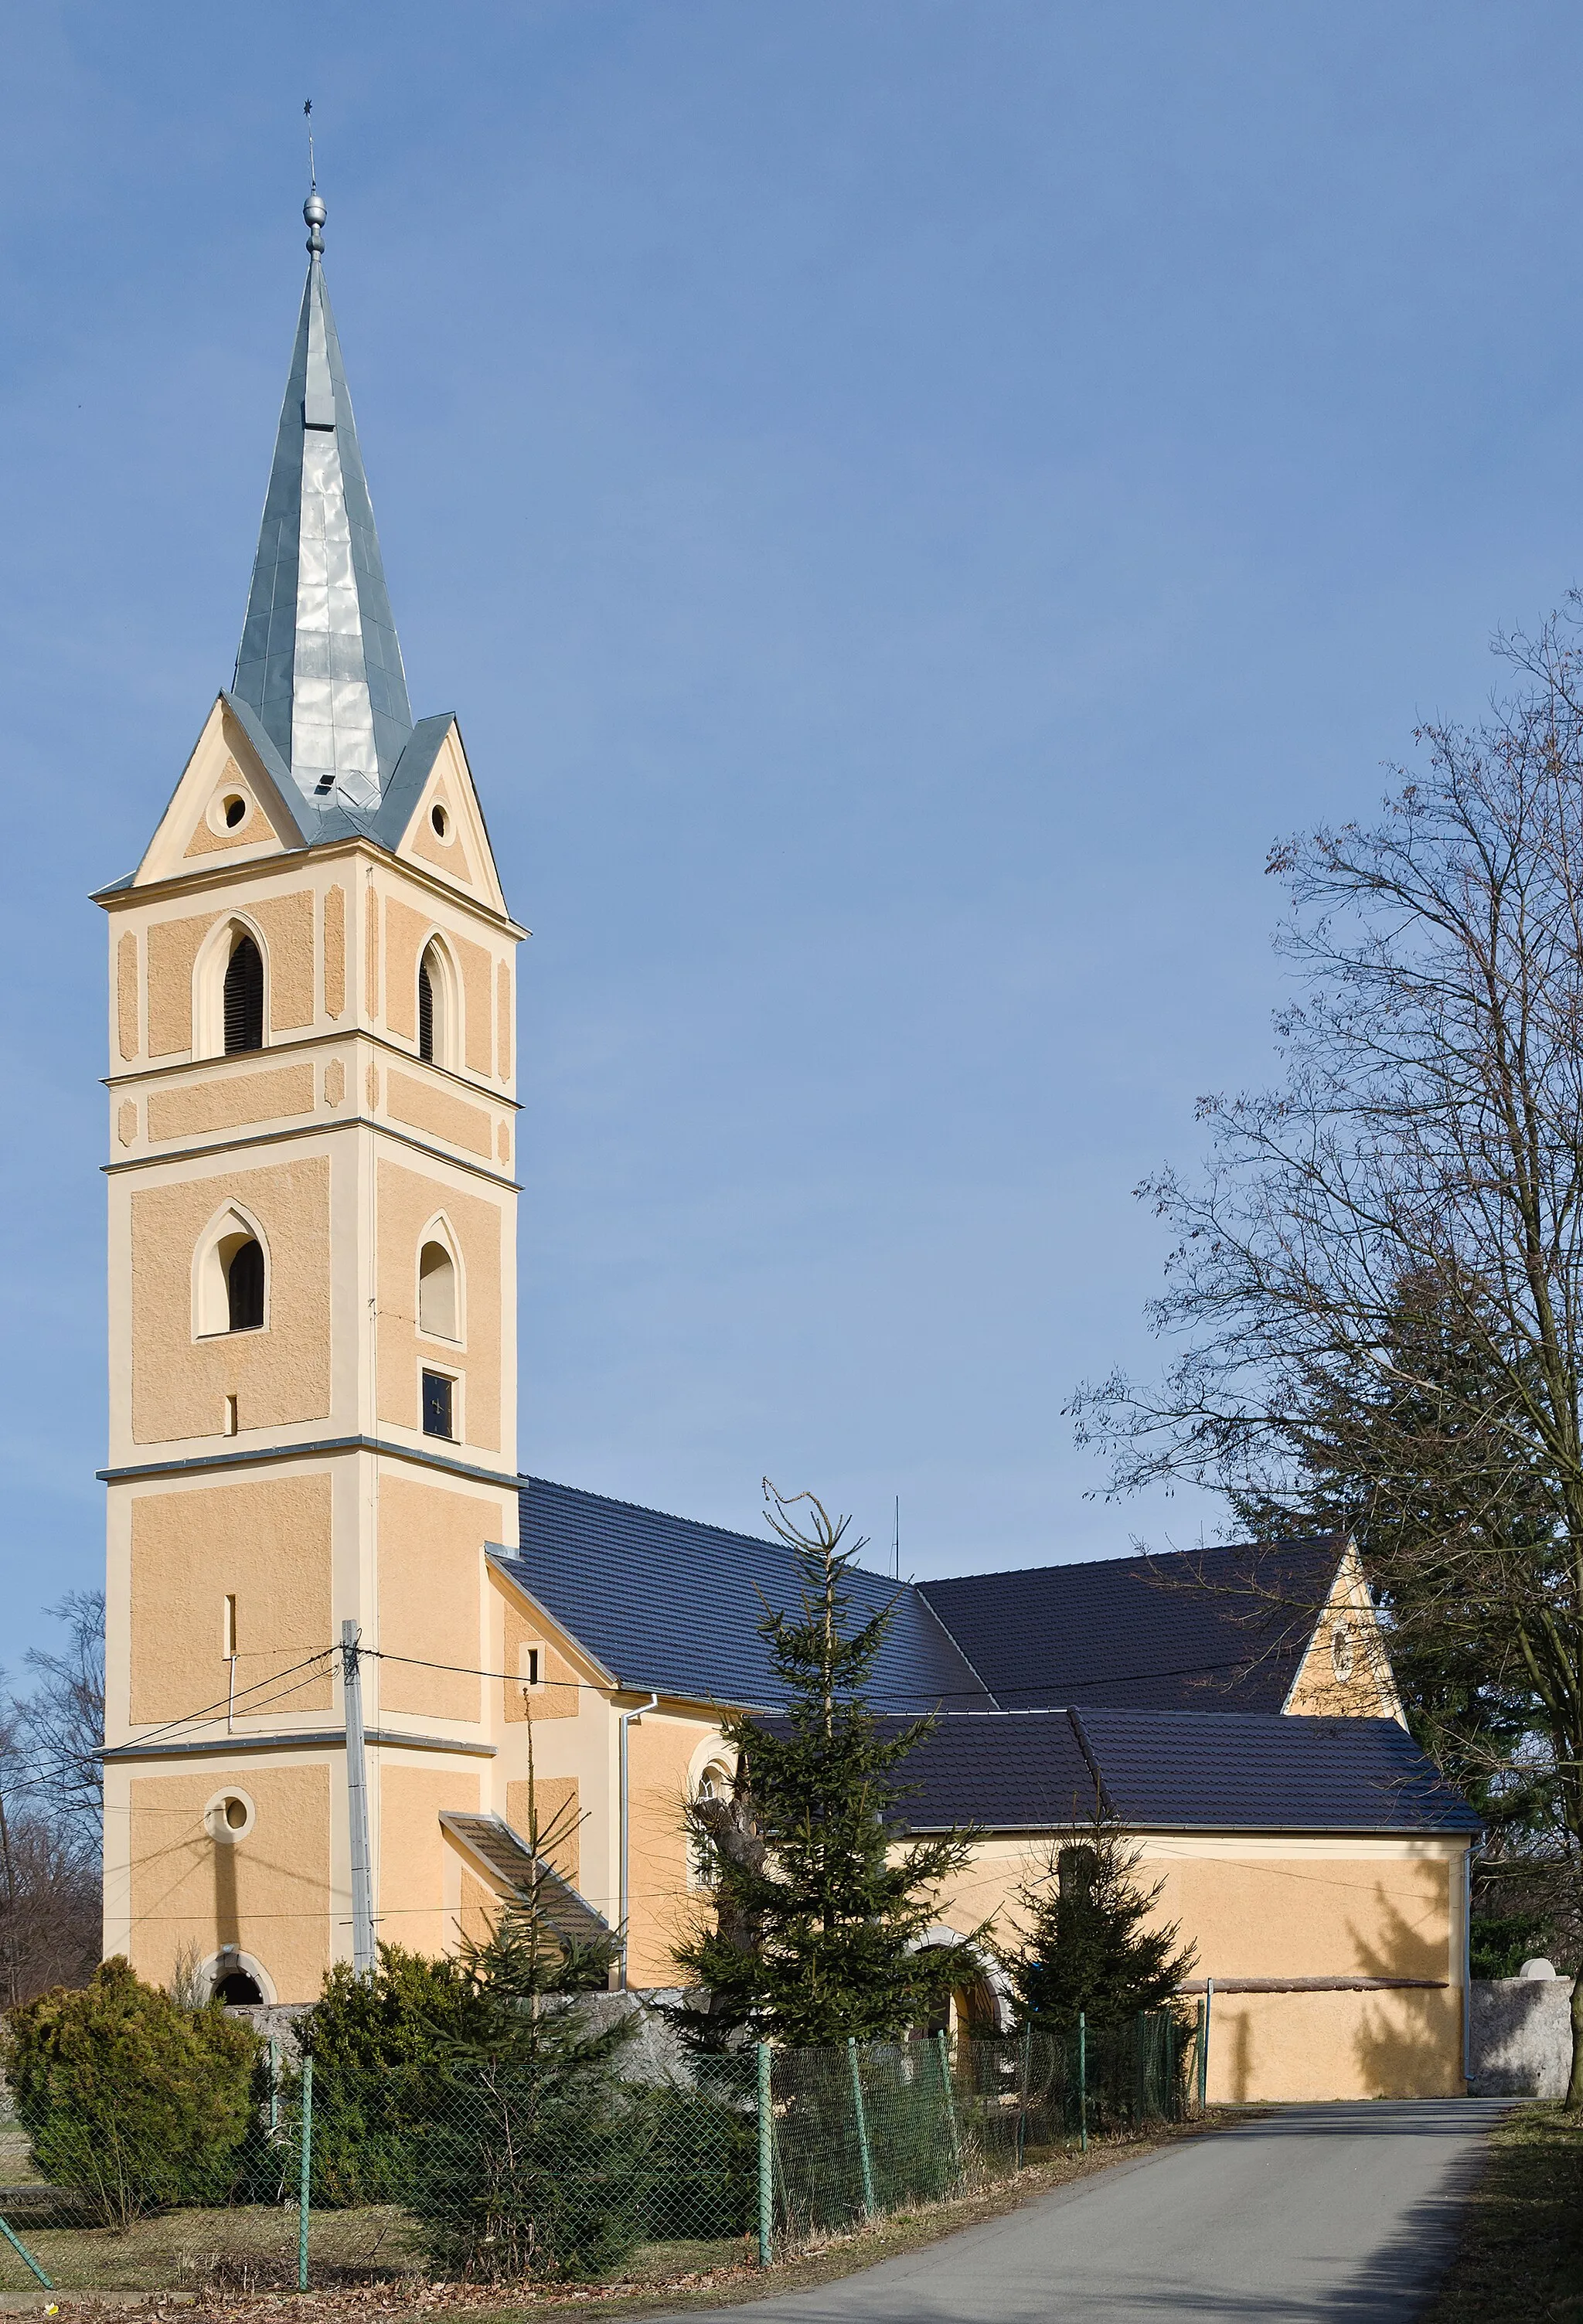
{"type": "Point", "coordinates": [319, 663]}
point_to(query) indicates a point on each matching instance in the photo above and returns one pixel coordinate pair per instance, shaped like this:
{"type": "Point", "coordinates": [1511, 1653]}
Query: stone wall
{"type": "Point", "coordinates": [1521, 2031]}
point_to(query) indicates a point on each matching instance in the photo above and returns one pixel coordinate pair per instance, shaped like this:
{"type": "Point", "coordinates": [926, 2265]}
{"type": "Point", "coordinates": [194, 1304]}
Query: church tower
{"type": "Point", "coordinates": [313, 1271]}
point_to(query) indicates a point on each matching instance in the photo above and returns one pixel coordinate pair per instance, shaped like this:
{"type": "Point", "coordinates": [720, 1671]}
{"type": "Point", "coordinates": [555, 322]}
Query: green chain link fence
{"type": "Point", "coordinates": [479, 2174]}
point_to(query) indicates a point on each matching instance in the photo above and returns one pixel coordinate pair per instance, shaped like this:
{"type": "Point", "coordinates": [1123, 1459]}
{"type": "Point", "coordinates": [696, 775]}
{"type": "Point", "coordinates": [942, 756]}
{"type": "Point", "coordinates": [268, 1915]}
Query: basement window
{"type": "Point", "coordinates": [437, 1405]}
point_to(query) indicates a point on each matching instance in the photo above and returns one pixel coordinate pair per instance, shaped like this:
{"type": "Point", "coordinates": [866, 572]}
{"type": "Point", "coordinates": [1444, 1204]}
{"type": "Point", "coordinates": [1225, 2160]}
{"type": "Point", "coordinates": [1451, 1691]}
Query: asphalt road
{"type": "Point", "coordinates": [1316, 2215]}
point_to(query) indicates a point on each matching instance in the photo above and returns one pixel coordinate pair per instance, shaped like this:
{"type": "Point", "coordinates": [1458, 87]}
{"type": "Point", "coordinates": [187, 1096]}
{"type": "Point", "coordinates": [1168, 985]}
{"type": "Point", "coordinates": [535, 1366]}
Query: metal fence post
{"type": "Point", "coordinates": [766, 2157]}
{"type": "Point", "coordinates": [945, 2080]}
{"type": "Point", "coordinates": [1168, 2102]}
{"type": "Point", "coordinates": [304, 2173]}
{"type": "Point", "coordinates": [864, 2156]}
{"type": "Point", "coordinates": [1082, 2082]}
{"type": "Point", "coordinates": [1204, 2045]}
{"type": "Point", "coordinates": [15, 2241]}
{"type": "Point", "coordinates": [1024, 2068]}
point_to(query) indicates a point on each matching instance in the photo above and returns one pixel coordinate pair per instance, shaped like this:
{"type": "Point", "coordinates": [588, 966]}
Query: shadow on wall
{"type": "Point", "coordinates": [1522, 2035]}
{"type": "Point", "coordinates": [1408, 2041]}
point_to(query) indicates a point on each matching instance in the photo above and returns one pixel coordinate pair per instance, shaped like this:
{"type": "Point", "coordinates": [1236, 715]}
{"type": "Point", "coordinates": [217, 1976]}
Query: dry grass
{"type": "Point", "coordinates": [237, 2266]}
{"type": "Point", "coordinates": [1520, 2260]}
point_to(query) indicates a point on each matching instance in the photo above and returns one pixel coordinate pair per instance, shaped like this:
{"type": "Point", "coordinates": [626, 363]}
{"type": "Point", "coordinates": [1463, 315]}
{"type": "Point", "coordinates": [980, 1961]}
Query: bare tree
{"type": "Point", "coordinates": [1426, 1144]}
{"type": "Point", "coordinates": [51, 1811]}
{"type": "Point", "coordinates": [62, 1722]}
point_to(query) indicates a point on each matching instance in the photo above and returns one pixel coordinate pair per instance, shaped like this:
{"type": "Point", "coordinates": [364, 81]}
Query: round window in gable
{"type": "Point", "coordinates": [439, 819]}
{"type": "Point", "coordinates": [1343, 1658]}
{"type": "Point", "coordinates": [234, 811]}
{"type": "Point", "coordinates": [229, 1816]}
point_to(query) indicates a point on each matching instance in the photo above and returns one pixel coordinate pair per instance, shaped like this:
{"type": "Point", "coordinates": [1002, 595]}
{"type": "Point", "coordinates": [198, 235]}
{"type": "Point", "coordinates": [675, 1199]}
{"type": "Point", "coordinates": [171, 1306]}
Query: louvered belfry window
{"type": "Point", "coordinates": [244, 999]}
{"type": "Point", "coordinates": [425, 1011]}
{"type": "Point", "coordinates": [244, 1289]}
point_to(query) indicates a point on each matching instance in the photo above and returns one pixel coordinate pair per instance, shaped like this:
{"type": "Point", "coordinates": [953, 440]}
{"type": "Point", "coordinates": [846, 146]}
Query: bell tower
{"type": "Point", "coordinates": [313, 1271]}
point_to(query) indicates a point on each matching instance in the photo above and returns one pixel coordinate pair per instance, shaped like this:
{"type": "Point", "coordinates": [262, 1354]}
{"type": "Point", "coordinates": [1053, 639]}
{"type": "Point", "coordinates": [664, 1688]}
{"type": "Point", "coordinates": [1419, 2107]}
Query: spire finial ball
{"type": "Point", "coordinates": [313, 213]}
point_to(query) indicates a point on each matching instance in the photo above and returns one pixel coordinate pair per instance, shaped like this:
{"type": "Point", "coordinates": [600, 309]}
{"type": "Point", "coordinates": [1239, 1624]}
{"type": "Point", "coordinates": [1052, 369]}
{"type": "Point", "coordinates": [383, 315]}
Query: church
{"type": "Point", "coordinates": [342, 1623]}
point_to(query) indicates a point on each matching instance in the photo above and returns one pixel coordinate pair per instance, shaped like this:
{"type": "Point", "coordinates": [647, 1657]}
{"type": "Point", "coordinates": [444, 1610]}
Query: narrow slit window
{"type": "Point", "coordinates": [532, 1668]}
{"type": "Point", "coordinates": [244, 1006]}
{"type": "Point", "coordinates": [245, 1288]}
{"type": "Point", "coordinates": [437, 1405]}
{"type": "Point", "coordinates": [229, 1628]}
{"type": "Point", "coordinates": [230, 1416]}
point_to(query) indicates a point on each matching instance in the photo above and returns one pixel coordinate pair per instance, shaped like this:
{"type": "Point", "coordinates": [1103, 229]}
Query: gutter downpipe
{"type": "Point", "coordinates": [624, 1720]}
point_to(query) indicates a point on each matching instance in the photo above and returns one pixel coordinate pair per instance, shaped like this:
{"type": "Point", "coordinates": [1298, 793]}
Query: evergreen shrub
{"type": "Point", "coordinates": [377, 2043]}
{"type": "Point", "coordinates": [132, 2100]}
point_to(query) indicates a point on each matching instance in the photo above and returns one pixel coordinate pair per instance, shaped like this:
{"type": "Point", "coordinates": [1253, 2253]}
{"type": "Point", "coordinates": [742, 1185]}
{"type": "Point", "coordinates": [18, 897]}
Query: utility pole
{"type": "Point", "coordinates": [357, 1805]}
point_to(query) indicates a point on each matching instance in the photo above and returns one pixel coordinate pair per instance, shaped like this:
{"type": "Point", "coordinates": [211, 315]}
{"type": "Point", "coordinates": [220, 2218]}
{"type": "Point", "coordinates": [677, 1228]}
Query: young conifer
{"type": "Point", "coordinates": [1087, 1948]}
{"type": "Point", "coordinates": [523, 2160]}
{"type": "Point", "coordinates": [817, 1909]}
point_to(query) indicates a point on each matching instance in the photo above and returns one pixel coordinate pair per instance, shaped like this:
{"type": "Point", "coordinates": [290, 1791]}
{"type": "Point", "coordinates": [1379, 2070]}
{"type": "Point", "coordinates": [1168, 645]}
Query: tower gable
{"type": "Point", "coordinates": [228, 806]}
{"type": "Point", "coordinates": [434, 817]}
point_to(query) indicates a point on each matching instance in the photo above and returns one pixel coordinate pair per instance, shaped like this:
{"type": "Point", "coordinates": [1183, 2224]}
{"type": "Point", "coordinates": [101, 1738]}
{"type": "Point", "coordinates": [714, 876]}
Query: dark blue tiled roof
{"type": "Point", "coordinates": [1178, 1771]}
{"type": "Point", "coordinates": [1220, 1628]}
{"type": "Point", "coordinates": [673, 1606]}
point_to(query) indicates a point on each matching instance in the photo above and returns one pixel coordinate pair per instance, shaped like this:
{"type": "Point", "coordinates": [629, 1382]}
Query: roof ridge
{"type": "Point", "coordinates": [694, 1524]}
{"type": "Point", "coordinates": [1133, 1557]}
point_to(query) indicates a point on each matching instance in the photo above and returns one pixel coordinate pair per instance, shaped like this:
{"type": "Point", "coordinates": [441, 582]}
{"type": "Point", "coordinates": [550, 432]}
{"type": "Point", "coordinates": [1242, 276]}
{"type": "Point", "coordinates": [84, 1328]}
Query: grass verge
{"type": "Point", "coordinates": [1520, 2260]}
{"type": "Point", "coordinates": [672, 2278]}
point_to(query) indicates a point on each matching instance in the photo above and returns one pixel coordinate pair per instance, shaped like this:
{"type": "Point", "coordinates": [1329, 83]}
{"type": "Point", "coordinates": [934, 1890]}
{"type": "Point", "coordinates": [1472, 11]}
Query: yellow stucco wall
{"type": "Point", "coordinates": [405, 931]}
{"type": "Point", "coordinates": [557, 1696]}
{"type": "Point", "coordinates": [424, 1106]}
{"type": "Point", "coordinates": [663, 1749]}
{"type": "Point", "coordinates": [1403, 2044]}
{"type": "Point", "coordinates": [173, 949]}
{"type": "Point", "coordinates": [279, 1375]}
{"type": "Point", "coordinates": [560, 1827]}
{"type": "Point", "coordinates": [268, 1892]}
{"type": "Point", "coordinates": [335, 950]}
{"type": "Point", "coordinates": [431, 1568]}
{"type": "Point", "coordinates": [232, 1100]}
{"type": "Point", "coordinates": [415, 1855]}
{"type": "Point", "coordinates": [1278, 1906]}
{"type": "Point", "coordinates": [266, 1541]}
{"type": "Point", "coordinates": [127, 995]}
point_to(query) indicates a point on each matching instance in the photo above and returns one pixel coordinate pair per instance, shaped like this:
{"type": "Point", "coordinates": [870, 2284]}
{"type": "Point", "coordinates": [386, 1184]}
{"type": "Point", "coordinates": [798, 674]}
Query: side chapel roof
{"type": "Point", "coordinates": [1176, 1771]}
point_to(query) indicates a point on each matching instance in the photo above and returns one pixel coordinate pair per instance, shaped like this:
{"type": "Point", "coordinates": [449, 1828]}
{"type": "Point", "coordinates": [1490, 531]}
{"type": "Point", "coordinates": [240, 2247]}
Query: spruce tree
{"type": "Point", "coordinates": [1087, 1949]}
{"type": "Point", "coordinates": [523, 2163]}
{"type": "Point", "coordinates": [818, 1907]}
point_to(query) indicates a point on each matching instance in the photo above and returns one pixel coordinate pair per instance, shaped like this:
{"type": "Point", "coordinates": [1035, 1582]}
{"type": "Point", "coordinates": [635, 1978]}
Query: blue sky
{"type": "Point", "coordinates": [907, 499]}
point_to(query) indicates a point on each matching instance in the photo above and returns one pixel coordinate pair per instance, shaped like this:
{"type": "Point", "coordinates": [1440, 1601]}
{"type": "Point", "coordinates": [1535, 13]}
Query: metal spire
{"type": "Point", "coordinates": [318, 662]}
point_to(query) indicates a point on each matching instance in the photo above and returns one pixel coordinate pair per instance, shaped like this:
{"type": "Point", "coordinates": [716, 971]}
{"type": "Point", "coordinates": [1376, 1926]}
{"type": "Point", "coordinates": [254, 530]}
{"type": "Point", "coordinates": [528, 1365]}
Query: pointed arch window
{"type": "Point", "coordinates": [439, 1006]}
{"type": "Point", "coordinates": [230, 1277]}
{"type": "Point", "coordinates": [425, 1010]}
{"type": "Point", "coordinates": [437, 1292]}
{"type": "Point", "coordinates": [244, 998]}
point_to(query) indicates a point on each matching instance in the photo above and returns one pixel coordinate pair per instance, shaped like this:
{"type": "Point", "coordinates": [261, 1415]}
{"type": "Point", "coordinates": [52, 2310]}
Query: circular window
{"type": "Point", "coordinates": [236, 811]}
{"type": "Point", "coordinates": [1342, 1657]}
{"type": "Point", "coordinates": [229, 1816]}
{"type": "Point", "coordinates": [440, 820]}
